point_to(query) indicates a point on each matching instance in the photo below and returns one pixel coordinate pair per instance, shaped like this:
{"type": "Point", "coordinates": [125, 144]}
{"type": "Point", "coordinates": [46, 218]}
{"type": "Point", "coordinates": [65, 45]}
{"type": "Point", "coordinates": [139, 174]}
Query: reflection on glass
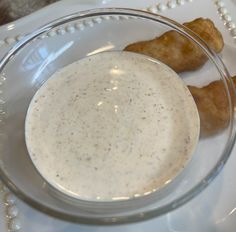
{"type": "Point", "coordinates": [10, 26]}
{"type": "Point", "coordinates": [39, 58]}
{"type": "Point", "coordinates": [102, 49]}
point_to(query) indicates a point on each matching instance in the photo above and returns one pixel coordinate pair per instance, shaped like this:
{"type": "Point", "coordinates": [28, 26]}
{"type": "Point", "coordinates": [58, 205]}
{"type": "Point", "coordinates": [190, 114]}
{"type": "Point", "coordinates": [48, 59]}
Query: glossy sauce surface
{"type": "Point", "coordinates": [111, 126]}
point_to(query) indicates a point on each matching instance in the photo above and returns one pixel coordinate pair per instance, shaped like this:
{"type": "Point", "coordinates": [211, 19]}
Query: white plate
{"type": "Point", "coordinates": [215, 208]}
{"type": "Point", "coordinates": [191, 9]}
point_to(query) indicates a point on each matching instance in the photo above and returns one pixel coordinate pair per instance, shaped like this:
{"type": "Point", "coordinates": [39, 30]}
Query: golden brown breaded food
{"type": "Point", "coordinates": [212, 104]}
{"type": "Point", "coordinates": [207, 31]}
{"type": "Point", "coordinates": [179, 52]}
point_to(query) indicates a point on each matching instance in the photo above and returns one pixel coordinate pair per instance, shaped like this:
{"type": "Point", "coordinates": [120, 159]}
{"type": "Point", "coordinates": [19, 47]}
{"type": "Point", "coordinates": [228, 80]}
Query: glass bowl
{"type": "Point", "coordinates": [37, 56]}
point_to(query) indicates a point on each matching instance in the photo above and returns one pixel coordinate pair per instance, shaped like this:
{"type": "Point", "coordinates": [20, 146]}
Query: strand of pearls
{"type": "Point", "coordinates": [171, 4]}
{"type": "Point", "coordinates": [225, 16]}
{"type": "Point", "coordinates": [11, 210]}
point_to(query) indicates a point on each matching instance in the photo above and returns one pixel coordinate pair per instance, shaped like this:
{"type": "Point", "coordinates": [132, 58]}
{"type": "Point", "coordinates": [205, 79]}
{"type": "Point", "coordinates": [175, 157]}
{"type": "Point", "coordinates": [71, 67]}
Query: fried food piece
{"type": "Point", "coordinates": [212, 104]}
{"type": "Point", "coordinates": [179, 52]}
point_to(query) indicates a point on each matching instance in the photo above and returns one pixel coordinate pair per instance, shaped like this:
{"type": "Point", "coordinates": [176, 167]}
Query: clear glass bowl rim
{"type": "Point", "coordinates": [185, 197]}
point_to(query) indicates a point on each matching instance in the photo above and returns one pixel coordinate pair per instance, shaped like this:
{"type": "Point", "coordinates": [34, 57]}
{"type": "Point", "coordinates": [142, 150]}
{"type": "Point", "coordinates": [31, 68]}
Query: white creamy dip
{"type": "Point", "coordinates": [111, 126]}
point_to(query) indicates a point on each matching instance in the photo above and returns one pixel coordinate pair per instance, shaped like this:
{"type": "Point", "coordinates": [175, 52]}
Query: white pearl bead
{"type": "Point", "coordinates": [161, 7]}
{"type": "Point", "coordinates": [70, 29]}
{"type": "Point", "coordinates": [61, 31]}
{"type": "Point", "coordinates": [152, 9]}
{"type": "Point", "coordinates": [15, 224]}
{"type": "Point", "coordinates": [10, 198]}
{"type": "Point", "coordinates": [117, 17]}
{"type": "Point", "coordinates": [124, 17]}
{"type": "Point", "coordinates": [2, 79]}
{"type": "Point", "coordinates": [231, 25]}
{"type": "Point", "coordinates": [79, 26]}
{"type": "Point", "coordinates": [223, 10]}
{"type": "Point", "coordinates": [98, 20]}
{"type": "Point", "coordinates": [106, 17]}
{"type": "Point", "coordinates": [12, 211]}
{"type": "Point", "coordinates": [51, 33]}
{"type": "Point", "coordinates": [171, 4]}
{"type": "Point", "coordinates": [19, 37]}
{"type": "Point", "coordinates": [227, 17]}
{"type": "Point", "coordinates": [42, 36]}
{"type": "Point", "coordinates": [90, 23]}
{"type": "Point", "coordinates": [114, 17]}
{"type": "Point", "coordinates": [219, 3]}
{"type": "Point", "coordinates": [180, 2]}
